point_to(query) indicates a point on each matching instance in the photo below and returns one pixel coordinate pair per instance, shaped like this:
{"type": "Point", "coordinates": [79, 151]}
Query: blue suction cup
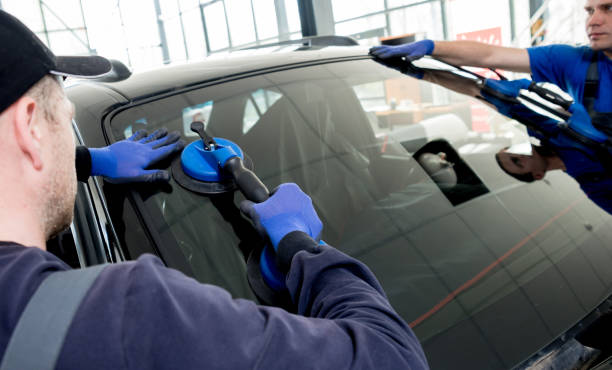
{"type": "Point", "coordinates": [198, 169]}
{"type": "Point", "coordinates": [202, 164]}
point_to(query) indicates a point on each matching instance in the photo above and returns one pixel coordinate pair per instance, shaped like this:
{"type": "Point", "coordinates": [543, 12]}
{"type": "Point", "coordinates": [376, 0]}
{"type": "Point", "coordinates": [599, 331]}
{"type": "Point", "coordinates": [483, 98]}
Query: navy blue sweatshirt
{"type": "Point", "coordinates": [143, 315]}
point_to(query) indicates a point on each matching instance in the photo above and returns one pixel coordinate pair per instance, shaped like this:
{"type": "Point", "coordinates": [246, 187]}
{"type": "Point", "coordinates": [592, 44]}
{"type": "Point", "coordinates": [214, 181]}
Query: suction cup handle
{"type": "Point", "coordinates": [208, 141]}
{"type": "Point", "coordinates": [551, 96]}
{"type": "Point", "coordinates": [249, 184]}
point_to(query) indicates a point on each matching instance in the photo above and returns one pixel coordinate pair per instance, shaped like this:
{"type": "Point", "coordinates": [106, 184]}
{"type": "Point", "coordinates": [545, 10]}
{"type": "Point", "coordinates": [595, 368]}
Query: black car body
{"type": "Point", "coordinates": [488, 271]}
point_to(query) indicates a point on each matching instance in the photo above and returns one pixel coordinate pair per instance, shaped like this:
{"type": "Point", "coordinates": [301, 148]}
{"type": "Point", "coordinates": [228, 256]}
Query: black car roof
{"type": "Point", "coordinates": [239, 63]}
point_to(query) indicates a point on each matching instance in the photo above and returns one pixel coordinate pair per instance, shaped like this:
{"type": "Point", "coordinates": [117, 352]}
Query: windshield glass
{"type": "Point", "coordinates": [486, 268]}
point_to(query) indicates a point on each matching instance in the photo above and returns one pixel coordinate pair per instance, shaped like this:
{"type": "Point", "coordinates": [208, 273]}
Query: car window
{"type": "Point", "coordinates": [403, 173]}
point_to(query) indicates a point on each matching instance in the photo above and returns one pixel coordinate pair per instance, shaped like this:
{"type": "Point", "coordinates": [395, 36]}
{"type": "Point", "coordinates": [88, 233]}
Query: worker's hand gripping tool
{"type": "Point", "coordinates": [223, 155]}
{"type": "Point", "coordinates": [509, 91]}
{"type": "Point", "coordinates": [505, 96]}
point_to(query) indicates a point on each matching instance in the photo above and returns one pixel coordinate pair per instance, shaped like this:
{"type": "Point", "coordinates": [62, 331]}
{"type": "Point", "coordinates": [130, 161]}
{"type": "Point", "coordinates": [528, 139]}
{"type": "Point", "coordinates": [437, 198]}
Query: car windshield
{"type": "Point", "coordinates": [403, 173]}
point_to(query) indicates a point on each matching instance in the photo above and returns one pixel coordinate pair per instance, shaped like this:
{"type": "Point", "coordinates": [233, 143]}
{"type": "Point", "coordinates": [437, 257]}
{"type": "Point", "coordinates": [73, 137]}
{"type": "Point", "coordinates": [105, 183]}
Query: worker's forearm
{"type": "Point", "coordinates": [477, 54]}
{"type": "Point", "coordinates": [332, 285]}
{"type": "Point", "coordinates": [178, 322]}
{"type": "Point", "coordinates": [453, 82]}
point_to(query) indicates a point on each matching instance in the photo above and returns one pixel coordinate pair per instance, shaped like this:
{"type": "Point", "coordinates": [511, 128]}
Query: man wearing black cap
{"type": "Point", "coordinates": [141, 314]}
{"type": "Point", "coordinates": [37, 70]}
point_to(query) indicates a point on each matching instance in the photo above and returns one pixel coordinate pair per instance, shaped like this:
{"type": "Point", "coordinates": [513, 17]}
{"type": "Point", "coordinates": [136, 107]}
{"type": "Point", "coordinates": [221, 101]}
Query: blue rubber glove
{"type": "Point", "coordinates": [127, 160]}
{"type": "Point", "coordinates": [503, 94]}
{"type": "Point", "coordinates": [516, 110]}
{"type": "Point", "coordinates": [411, 51]}
{"type": "Point", "coordinates": [510, 88]}
{"type": "Point", "coordinates": [581, 123]}
{"type": "Point", "coordinates": [288, 209]}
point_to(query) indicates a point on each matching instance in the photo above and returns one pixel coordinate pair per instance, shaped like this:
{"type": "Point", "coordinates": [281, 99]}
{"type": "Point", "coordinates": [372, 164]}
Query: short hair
{"type": "Point", "coordinates": [524, 177]}
{"type": "Point", "coordinates": [44, 92]}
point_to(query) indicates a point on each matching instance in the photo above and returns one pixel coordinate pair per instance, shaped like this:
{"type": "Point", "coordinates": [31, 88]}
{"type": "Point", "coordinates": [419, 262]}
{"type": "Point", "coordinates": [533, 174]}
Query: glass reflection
{"type": "Point", "coordinates": [402, 171]}
{"type": "Point", "coordinates": [560, 150]}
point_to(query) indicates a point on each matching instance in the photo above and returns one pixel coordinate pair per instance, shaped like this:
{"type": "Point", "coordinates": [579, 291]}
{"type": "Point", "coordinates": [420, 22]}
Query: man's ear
{"type": "Point", "coordinates": [26, 123]}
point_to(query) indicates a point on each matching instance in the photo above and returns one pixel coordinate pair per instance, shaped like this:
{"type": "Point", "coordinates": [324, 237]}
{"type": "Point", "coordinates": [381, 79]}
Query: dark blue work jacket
{"type": "Point", "coordinates": [142, 315]}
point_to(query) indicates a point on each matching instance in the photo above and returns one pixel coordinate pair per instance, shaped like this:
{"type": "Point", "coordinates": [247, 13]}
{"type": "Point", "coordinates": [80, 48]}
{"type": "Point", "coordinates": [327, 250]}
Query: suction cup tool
{"type": "Point", "coordinates": [197, 186]}
{"type": "Point", "coordinates": [198, 168]}
{"type": "Point", "coordinates": [205, 187]}
{"type": "Point", "coordinates": [214, 166]}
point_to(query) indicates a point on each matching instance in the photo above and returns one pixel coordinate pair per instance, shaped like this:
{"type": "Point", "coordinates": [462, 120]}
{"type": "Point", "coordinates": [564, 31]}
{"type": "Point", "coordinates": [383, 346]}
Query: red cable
{"type": "Point", "coordinates": [486, 270]}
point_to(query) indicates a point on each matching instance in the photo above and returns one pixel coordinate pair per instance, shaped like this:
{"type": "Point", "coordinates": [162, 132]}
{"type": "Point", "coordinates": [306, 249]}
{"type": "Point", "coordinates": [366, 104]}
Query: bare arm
{"type": "Point", "coordinates": [477, 54]}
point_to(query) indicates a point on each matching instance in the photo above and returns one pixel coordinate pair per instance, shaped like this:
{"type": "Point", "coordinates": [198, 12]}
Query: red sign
{"type": "Point", "coordinates": [491, 36]}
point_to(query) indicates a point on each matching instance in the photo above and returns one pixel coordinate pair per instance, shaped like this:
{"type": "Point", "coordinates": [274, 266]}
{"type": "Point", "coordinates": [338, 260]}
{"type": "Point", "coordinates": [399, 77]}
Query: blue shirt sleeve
{"type": "Point", "coordinates": [158, 318]}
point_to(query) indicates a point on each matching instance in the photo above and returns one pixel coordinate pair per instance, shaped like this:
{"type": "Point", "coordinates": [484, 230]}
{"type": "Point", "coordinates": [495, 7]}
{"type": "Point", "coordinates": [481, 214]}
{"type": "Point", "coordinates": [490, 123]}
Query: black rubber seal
{"type": "Point", "coordinates": [203, 187]}
{"type": "Point", "coordinates": [197, 186]}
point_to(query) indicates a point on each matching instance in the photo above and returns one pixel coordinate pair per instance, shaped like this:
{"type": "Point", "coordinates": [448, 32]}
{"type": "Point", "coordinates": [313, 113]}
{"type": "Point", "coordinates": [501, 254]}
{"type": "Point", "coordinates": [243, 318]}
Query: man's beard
{"type": "Point", "coordinates": [58, 218]}
{"type": "Point", "coordinates": [61, 192]}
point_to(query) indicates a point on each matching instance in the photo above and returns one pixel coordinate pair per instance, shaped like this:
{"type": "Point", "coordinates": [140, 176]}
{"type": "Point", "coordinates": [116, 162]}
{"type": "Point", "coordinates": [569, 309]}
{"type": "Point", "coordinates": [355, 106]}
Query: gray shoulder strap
{"type": "Point", "coordinates": [39, 335]}
{"type": "Point", "coordinates": [591, 85]}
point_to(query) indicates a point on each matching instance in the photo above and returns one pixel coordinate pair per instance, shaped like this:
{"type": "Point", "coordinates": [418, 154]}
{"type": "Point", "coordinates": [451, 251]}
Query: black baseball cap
{"type": "Point", "coordinates": [25, 60]}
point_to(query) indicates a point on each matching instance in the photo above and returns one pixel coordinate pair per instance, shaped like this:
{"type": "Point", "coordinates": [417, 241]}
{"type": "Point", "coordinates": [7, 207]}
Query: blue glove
{"type": "Point", "coordinates": [509, 88]}
{"type": "Point", "coordinates": [511, 107]}
{"type": "Point", "coordinates": [503, 94]}
{"type": "Point", "coordinates": [287, 210]}
{"type": "Point", "coordinates": [581, 123]}
{"type": "Point", "coordinates": [127, 160]}
{"type": "Point", "coordinates": [411, 51]}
